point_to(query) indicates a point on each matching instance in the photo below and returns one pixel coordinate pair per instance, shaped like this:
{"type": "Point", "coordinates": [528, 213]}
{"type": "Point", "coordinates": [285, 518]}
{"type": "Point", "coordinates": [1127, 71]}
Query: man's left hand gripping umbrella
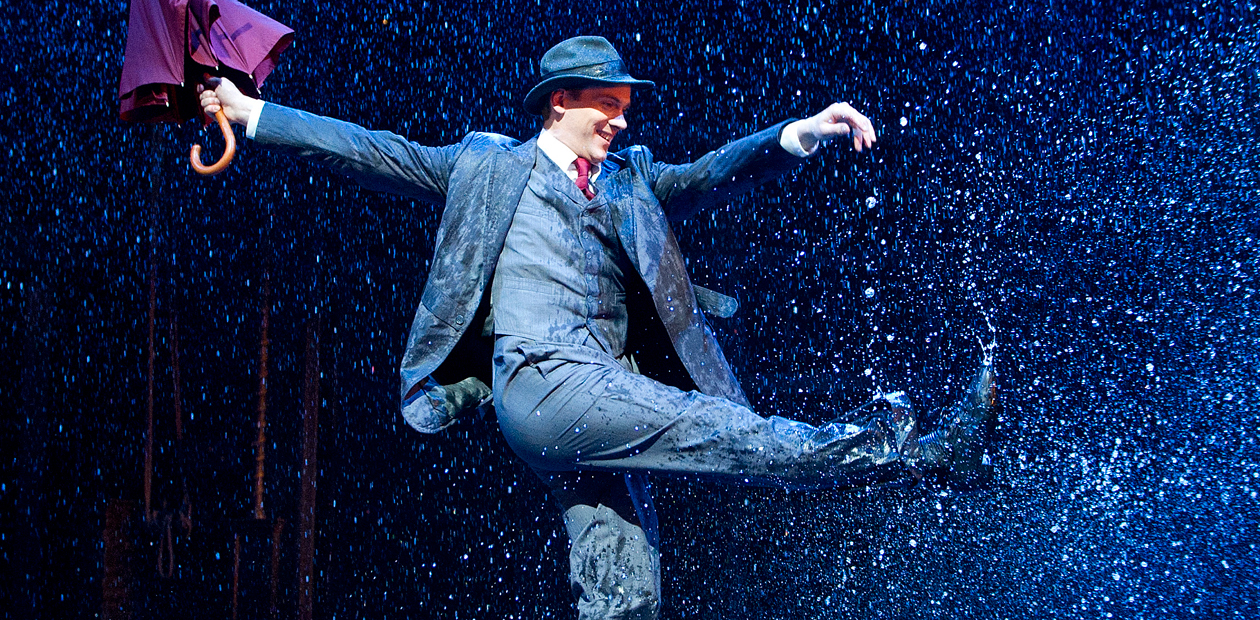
{"type": "Point", "coordinates": [174, 45]}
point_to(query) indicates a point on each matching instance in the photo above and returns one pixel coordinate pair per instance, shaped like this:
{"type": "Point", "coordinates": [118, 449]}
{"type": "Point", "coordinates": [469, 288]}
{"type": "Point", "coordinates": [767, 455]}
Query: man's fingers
{"type": "Point", "coordinates": [836, 127]}
{"type": "Point", "coordinates": [862, 124]}
{"type": "Point", "coordinates": [842, 120]}
{"type": "Point", "coordinates": [843, 112]}
{"type": "Point", "coordinates": [867, 136]}
{"type": "Point", "coordinates": [865, 124]}
{"type": "Point", "coordinates": [209, 101]}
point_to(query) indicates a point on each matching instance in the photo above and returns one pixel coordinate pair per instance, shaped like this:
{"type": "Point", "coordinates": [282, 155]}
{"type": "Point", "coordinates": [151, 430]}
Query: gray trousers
{"type": "Point", "coordinates": [592, 429]}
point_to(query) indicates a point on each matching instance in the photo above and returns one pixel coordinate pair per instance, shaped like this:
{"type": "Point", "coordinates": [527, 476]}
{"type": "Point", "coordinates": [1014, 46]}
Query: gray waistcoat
{"type": "Point", "coordinates": [561, 275]}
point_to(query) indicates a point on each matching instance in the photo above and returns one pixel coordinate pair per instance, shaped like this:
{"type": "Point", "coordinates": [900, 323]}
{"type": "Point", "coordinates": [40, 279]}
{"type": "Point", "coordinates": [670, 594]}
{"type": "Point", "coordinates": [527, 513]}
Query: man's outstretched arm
{"type": "Point", "coordinates": [735, 168]}
{"type": "Point", "coordinates": [378, 160]}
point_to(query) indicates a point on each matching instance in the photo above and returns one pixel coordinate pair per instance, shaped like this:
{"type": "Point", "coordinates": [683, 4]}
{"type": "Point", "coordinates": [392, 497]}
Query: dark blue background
{"type": "Point", "coordinates": [1083, 176]}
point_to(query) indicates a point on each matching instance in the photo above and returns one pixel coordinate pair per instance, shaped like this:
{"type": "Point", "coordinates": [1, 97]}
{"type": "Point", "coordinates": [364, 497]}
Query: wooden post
{"type": "Point", "coordinates": [150, 377]}
{"type": "Point", "coordinates": [236, 574]}
{"type": "Point", "coordinates": [310, 469]}
{"type": "Point", "coordinates": [177, 396]}
{"type": "Point", "coordinates": [185, 506]}
{"type": "Point", "coordinates": [277, 531]}
{"type": "Point", "coordinates": [260, 444]}
{"type": "Point", "coordinates": [154, 180]}
{"type": "Point", "coordinates": [116, 551]}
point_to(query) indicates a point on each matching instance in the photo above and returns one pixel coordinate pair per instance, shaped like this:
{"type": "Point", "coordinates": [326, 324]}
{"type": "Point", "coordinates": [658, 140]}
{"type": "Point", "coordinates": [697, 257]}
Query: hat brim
{"type": "Point", "coordinates": [537, 95]}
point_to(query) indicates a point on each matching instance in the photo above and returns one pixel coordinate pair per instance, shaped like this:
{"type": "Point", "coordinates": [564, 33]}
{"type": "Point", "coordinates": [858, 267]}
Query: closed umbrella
{"type": "Point", "coordinates": [173, 45]}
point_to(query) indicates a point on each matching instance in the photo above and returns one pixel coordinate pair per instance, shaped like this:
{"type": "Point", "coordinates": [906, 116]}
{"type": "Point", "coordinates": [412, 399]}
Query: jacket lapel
{"type": "Point", "coordinates": [618, 192]}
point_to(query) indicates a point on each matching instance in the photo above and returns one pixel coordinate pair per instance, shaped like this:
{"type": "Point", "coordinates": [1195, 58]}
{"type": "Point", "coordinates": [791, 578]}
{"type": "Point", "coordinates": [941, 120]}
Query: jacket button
{"type": "Point", "coordinates": [459, 320]}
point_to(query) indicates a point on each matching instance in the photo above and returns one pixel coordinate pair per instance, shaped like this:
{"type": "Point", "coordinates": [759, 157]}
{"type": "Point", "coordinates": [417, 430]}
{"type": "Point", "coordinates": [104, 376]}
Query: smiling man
{"type": "Point", "coordinates": [559, 293]}
{"type": "Point", "coordinates": [586, 120]}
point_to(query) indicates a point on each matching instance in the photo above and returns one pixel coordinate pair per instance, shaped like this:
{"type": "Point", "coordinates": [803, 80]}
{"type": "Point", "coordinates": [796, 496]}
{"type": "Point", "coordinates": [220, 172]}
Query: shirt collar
{"type": "Point", "coordinates": [563, 156]}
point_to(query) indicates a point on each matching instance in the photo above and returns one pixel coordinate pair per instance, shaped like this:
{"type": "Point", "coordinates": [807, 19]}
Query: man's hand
{"type": "Point", "coordinates": [224, 95]}
{"type": "Point", "coordinates": [839, 119]}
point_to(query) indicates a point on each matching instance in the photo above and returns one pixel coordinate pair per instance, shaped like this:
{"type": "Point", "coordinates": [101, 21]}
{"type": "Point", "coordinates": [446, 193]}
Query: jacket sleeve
{"type": "Point", "coordinates": [378, 160]}
{"type": "Point", "coordinates": [685, 189]}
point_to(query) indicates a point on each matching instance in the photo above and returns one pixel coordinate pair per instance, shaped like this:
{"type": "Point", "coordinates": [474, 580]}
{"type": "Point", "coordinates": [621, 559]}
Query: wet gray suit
{"type": "Point", "coordinates": [566, 387]}
{"type": "Point", "coordinates": [571, 403]}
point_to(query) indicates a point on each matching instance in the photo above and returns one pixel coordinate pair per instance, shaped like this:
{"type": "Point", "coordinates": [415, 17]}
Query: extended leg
{"type": "Point", "coordinates": [562, 414]}
{"type": "Point", "coordinates": [589, 426]}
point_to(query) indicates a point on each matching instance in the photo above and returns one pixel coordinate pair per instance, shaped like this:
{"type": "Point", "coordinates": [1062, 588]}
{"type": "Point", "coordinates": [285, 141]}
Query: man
{"type": "Point", "coordinates": [556, 277]}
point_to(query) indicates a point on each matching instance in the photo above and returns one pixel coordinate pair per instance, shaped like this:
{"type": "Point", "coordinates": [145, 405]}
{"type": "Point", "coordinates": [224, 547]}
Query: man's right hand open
{"type": "Point", "coordinates": [220, 93]}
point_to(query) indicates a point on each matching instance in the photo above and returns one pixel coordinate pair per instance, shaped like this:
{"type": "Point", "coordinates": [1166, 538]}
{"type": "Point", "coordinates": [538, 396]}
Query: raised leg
{"type": "Point", "coordinates": [564, 415]}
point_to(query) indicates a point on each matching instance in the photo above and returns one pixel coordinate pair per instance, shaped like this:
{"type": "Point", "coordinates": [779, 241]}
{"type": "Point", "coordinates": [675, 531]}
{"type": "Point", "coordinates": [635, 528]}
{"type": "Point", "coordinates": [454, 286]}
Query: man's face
{"type": "Point", "coordinates": [587, 120]}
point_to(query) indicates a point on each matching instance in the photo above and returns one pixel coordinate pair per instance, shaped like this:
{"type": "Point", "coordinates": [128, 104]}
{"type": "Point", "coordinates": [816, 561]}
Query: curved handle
{"type": "Point", "coordinates": [229, 149]}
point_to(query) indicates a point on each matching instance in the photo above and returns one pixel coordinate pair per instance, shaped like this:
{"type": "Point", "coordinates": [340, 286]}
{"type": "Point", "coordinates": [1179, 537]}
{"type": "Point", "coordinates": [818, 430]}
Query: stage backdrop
{"type": "Point", "coordinates": [1078, 180]}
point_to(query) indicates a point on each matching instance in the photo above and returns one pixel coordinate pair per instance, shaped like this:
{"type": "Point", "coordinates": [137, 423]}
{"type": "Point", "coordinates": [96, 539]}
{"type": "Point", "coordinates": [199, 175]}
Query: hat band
{"type": "Point", "coordinates": [610, 69]}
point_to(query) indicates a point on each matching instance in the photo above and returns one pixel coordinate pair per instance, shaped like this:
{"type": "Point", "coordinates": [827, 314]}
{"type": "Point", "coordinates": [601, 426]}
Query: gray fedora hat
{"type": "Point", "coordinates": [579, 61]}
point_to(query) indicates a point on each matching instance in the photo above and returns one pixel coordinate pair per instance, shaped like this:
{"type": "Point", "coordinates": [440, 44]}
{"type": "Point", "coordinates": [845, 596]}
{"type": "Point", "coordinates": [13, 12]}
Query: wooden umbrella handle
{"type": "Point", "coordinates": [229, 149]}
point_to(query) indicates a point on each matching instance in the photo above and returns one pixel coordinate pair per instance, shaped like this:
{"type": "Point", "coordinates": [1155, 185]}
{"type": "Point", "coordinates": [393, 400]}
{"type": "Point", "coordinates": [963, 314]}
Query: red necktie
{"type": "Point", "coordinates": [584, 177]}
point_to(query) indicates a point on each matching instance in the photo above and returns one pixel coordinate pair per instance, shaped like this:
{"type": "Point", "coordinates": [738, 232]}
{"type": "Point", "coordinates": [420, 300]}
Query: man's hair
{"type": "Point", "coordinates": [576, 91]}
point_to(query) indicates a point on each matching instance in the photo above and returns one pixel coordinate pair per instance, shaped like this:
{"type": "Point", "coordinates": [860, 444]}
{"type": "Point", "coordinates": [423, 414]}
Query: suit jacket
{"type": "Point", "coordinates": [446, 365]}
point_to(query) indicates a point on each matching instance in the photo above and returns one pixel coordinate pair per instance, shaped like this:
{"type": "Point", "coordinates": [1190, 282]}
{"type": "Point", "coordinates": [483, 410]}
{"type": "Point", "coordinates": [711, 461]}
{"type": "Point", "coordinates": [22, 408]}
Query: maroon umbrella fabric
{"type": "Point", "coordinates": [153, 67]}
{"type": "Point", "coordinates": [173, 44]}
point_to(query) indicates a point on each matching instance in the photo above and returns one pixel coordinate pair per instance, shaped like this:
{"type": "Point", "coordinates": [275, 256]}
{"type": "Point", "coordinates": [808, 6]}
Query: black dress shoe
{"type": "Point", "coordinates": [954, 454]}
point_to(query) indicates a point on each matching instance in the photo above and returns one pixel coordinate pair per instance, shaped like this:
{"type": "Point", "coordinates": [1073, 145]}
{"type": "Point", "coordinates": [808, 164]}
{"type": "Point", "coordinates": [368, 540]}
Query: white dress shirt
{"type": "Point", "coordinates": [563, 156]}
